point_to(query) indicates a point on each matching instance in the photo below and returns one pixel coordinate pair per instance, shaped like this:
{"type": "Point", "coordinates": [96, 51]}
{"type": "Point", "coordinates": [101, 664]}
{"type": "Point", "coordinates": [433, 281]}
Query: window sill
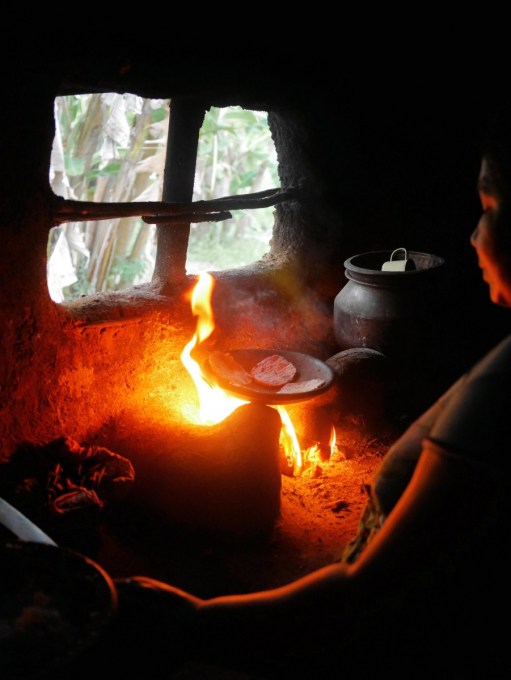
{"type": "Point", "coordinates": [145, 300]}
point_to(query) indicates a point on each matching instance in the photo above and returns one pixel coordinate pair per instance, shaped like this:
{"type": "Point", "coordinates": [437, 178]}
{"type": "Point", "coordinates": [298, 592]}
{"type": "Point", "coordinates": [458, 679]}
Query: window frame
{"type": "Point", "coordinates": [175, 213]}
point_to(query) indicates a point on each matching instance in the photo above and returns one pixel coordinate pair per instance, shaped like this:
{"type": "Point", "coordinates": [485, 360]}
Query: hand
{"type": "Point", "coordinates": [154, 627]}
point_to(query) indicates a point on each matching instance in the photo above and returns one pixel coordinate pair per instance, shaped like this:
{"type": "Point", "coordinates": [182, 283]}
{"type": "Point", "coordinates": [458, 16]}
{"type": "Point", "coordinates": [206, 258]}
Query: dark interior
{"type": "Point", "coordinates": [379, 163]}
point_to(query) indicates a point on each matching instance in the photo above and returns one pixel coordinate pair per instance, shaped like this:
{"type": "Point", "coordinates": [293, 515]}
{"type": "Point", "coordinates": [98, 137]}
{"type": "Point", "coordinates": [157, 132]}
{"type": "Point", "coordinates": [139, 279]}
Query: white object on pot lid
{"type": "Point", "coordinates": [396, 265]}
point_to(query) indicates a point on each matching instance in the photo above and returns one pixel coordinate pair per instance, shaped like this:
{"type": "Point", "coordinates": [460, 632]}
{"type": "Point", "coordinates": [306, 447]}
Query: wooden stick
{"type": "Point", "coordinates": [198, 211]}
{"type": "Point", "coordinates": [186, 218]}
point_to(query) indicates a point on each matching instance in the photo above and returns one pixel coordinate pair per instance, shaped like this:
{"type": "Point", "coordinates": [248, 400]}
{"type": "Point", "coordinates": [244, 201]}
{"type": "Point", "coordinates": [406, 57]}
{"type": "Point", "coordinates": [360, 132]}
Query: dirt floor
{"type": "Point", "coordinates": [320, 510]}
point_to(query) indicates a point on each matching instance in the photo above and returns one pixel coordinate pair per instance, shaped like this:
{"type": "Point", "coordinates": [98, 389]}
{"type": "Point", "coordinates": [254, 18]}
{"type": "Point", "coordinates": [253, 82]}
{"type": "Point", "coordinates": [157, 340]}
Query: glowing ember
{"type": "Point", "coordinates": [214, 404]}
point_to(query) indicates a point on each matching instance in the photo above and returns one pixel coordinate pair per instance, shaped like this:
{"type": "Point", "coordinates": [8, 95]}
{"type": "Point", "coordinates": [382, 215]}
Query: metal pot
{"type": "Point", "coordinates": [394, 312]}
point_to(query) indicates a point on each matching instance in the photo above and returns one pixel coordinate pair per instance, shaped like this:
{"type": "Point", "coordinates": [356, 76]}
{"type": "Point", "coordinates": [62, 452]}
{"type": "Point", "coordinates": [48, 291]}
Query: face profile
{"type": "Point", "coordinates": [492, 237]}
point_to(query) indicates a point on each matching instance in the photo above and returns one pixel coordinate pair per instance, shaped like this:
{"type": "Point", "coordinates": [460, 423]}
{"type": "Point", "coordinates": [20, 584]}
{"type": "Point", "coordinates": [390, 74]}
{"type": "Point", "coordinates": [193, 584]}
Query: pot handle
{"type": "Point", "coordinates": [396, 265]}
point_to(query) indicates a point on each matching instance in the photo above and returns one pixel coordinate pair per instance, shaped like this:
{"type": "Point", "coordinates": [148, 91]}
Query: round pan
{"type": "Point", "coordinates": [307, 368]}
{"type": "Point", "coordinates": [54, 604]}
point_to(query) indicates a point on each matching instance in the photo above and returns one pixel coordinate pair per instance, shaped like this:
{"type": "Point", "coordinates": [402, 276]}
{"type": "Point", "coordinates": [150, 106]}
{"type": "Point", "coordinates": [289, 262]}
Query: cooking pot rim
{"type": "Point", "coordinates": [434, 261]}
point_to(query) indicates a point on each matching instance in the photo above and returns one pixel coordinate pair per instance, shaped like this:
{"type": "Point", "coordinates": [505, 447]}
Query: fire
{"type": "Point", "coordinates": [312, 457]}
{"type": "Point", "coordinates": [214, 404]}
{"type": "Point", "coordinates": [333, 440]}
{"type": "Point", "coordinates": [289, 442]}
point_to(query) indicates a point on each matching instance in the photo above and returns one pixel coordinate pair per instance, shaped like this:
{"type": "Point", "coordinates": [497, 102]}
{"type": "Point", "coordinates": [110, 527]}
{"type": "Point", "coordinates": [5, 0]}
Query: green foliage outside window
{"type": "Point", "coordinates": [111, 148]}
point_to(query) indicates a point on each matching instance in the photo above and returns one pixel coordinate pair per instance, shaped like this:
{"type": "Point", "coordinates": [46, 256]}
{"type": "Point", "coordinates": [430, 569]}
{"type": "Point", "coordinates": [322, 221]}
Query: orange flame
{"type": "Point", "coordinates": [214, 404]}
{"type": "Point", "coordinates": [289, 442]}
{"type": "Point", "coordinates": [333, 441]}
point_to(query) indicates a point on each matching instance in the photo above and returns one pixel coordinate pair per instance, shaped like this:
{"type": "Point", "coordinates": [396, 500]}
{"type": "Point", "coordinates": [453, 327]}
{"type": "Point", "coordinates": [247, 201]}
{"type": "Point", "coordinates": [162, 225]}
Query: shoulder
{"type": "Point", "coordinates": [475, 422]}
{"type": "Point", "coordinates": [497, 360]}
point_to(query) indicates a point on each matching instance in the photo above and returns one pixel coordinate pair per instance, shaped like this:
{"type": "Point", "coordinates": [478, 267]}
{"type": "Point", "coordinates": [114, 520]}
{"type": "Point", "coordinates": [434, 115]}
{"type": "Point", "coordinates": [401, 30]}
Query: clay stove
{"type": "Point", "coordinates": [221, 473]}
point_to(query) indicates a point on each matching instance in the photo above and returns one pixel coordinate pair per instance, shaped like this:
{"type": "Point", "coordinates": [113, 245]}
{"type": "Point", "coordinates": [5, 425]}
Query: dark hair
{"type": "Point", "coordinates": [496, 147]}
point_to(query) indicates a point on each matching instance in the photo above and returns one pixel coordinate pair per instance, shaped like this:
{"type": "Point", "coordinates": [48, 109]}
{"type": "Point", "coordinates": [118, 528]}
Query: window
{"type": "Point", "coordinates": [111, 148]}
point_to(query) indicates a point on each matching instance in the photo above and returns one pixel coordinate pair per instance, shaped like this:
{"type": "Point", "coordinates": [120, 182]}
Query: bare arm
{"type": "Point", "coordinates": [400, 460]}
{"type": "Point", "coordinates": [338, 611]}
